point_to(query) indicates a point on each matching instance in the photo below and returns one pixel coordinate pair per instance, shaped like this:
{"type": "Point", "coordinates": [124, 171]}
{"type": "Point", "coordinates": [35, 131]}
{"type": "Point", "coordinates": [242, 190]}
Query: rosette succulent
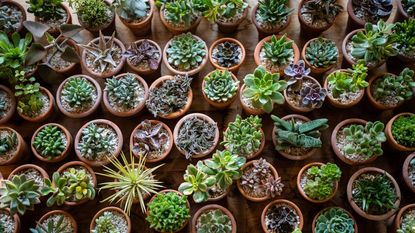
{"type": "Point", "coordinates": [214, 221]}
{"type": "Point", "coordinates": [220, 86]}
{"type": "Point", "coordinates": [77, 92]}
{"type": "Point", "coordinates": [296, 72]}
{"type": "Point", "coordinates": [278, 51]}
{"type": "Point", "coordinates": [321, 53]}
{"type": "Point", "coordinates": [186, 52]}
{"type": "Point", "coordinates": [271, 12]}
{"type": "Point", "coordinates": [313, 96]}
{"type": "Point", "coordinates": [227, 54]}
{"type": "Point", "coordinates": [334, 219]}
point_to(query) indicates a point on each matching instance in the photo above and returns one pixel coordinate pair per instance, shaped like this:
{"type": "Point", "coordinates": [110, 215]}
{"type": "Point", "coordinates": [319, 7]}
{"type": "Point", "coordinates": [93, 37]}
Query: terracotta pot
{"type": "Point", "coordinates": [67, 165]}
{"type": "Point", "coordinates": [110, 209]}
{"type": "Point", "coordinates": [405, 172]}
{"type": "Point", "coordinates": [263, 32]}
{"type": "Point", "coordinates": [107, 29]}
{"type": "Point", "coordinates": [60, 212]}
{"type": "Point", "coordinates": [300, 109]}
{"type": "Point", "coordinates": [143, 27]}
{"type": "Point", "coordinates": [203, 117]}
{"type": "Point", "coordinates": [219, 105]}
{"type": "Point", "coordinates": [255, 199]}
{"type": "Point", "coordinates": [220, 197]}
{"type": "Point", "coordinates": [81, 114]}
{"type": "Point", "coordinates": [166, 152]}
{"type": "Point", "coordinates": [229, 28]}
{"type": "Point", "coordinates": [21, 9]}
{"type": "Point", "coordinates": [310, 28]}
{"type": "Point", "coordinates": [261, 147]}
{"type": "Point", "coordinates": [27, 166]}
{"type": "Point", "coordinates": [309, 154]}
{"type": "Point", "coordinates": [157, 83]}
{"type": "Point", "coordinates": [10, 112]}
{"type": "Point", "coordinates": [107, 74]}
{"type": "Point", "coordinates": [357, 209]}
{"type": "Point", "coordinates": [354, 20]}
{"type": "Point", "coordinates": [192, 72]}
{"type": "Point", "coordinates": [65, 152]}
{"type": "Point", "coordinates": [336, 103]}
{"type": "Point", "coordinates": [259, 46]}
{"type": "Point", "coordinates": [388, 132]}
{"type": "Point", "coordinates": [315, 70]}
{"type": "Point", "coordinates": [116, 152]}
{"type": "Point", "coordinates": [55, 31]}
{"type": "Point", "coordinates": [285, 203]}
{"type": "Point", "coordinates": [178, 30]}
{"type": "Point", "coordinates": [21, 152]}
{"type": "Point", "coordinates": [371, 98]}
{"type": "Point", "coordinates": [401, 14]}
{"type": "Point", "coordinates": [45, 115]}
{"type": "Point", "coordinates": [234, 69]}
{"type": "Point", "coordinates": [131, 112]}
{"type": "Point", "coordinates": [301, 190]}
{"type": "Point", "coordinates": [212, 207]}
{"type": "Point", "coordinates": [145, 72]}
{"type": "Point", "coordinates": [398, 219]}
{"type": "Point", "coordinates": [313, 226]}
{"type": "Point", "coordinates": [247, 109]}
{"type": "Point", "coordinates": [16, 220]}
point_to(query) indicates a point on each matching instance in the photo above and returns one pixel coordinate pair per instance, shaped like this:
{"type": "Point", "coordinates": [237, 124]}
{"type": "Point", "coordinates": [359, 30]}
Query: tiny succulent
{"type": "Point", "coordinates": [227, 54]}
{"type": "Point", "coordinates": [281, 218]}
{"type": "Point", "coordinates": [150, 138]}
{"type": "Point", "coordinates": [278, 52]}
{"type": "Point", "coordinates": [104, 223]}
{"type": "Point", "coordinates": [7, 143]}
{"type": "Point", "coordinates": [10, 18]}
{"type": "Point", "coordinates": [196, 182]}
{"type": "Point", "coordinates": [403, 130]}
{"type": "Point", "coordinates": [97, 142]}
{"type": "Point", "coordinates": [46, 9]}
{"type": "Point", "coordinates": [274, 186]}
{"type": "Point", "coordinates": [144, 53]}
{"type": "Point", "coordinates": [373, 10]}
{"type": "Point", "coordinates": [272, 12]}
{"type": "Point", "coordinates": [296, 72]}
{"type": "Point", "coordinates": [322, 53]}
{"type": "Point", "coordinates": [334, 219]}
{"type": "Point", "coordinates": [353, 80]}
{"type": "Point", "coordinates": [93, 13]}
{"type": "Point", "coordinates": [409, 7]}
{"type": "Point", "coordinates": [408, 224]}
{"type": "Point", "coordinates": [399, 86]}
{"type": "Point", "coordinates": [320, 180]}
{"type": "Point", "coordinates": [126, 91]}
{"type": "Point", "coordinates": [217, 10]}
{"type": "Point", "coordinates": [186, 52]}
{"type": "Point", "coordinates": [132, 9]}
{"type": "Point", "coordinates": [180, 13]}
{"type": "Point", "coordinates": [313, 96]}
{"type": "Point", "coordinates": [405, 35]}
{"type": "Point", "coordinates": [220, 86]}
{"type": "Point", "coordinates": [51, 226]}
{"type": "Point", "coordinates": [49, 142]}
{"type": "Point", "coordinates": [322, 10]}
{"type": "Point", "coordinates": [77, 92]}
{"type": "Point", "coordinates": [30, 102]}
{"type": "Point", "coordinates": [214, 221]}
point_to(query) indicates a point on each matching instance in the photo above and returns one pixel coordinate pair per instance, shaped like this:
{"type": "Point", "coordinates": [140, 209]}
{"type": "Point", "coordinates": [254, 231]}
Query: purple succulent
{"type": "Point", "coordinates": [313, 96]}
{"type": "Point", "coordinates": [149, 138]}
{"type": "Point", "coordinates": [145, 52]}
{"type": "Point", "coordinates": [296, 72]}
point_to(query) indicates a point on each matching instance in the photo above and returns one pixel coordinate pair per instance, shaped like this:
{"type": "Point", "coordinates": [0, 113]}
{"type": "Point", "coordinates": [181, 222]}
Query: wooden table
{"type": "Point", "coordinates": [246, 213]}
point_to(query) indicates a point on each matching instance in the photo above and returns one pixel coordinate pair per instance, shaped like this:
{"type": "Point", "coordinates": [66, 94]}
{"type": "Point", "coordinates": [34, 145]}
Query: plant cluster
{"type": "Point", "coordinates": [227, 54]}
{"type": "Point", "coordinates": [409, 6]}
{"type": "Point", "coordinates": [353, 80]}
{"type": "Point", "coordinates": [322, 10]}
{"type": "Point", "coordinates": [7, 143]}
{"type": "Point", "coordinates": [278, 52]}
{"type": "Point", "coordinates": [405, 35]}
{"type": "Point", "coordinates": [214, 221]}
{"type": "Point", "coordinates": [49, 142]}
{"type": "Point", "coordinates": [281, 218]}
{"type": "Point", "coordinates": [186, 52]}
{"type": "Point", "coordinates": [222, 10]}
{"type": "Point", "coordinates": [47, 9]}
{"type": "Point", "coordinates": [132, 9]}
{"type": "Point", "coordinates": [150, 139]}
{"type": "Point", "coordinates": [126, 91]}
{"type": "Point", "coordinates": [93, 13]}
{"type": "Point", "coordinates": [97, 142]}
{"type": "Point", "coordinates": [322, 53]}
{"type": "Point", "coordinates": [408, 224]}
{"type": "Point", "coordinates": [373, 10]}
{"type": "Point", "coordinates": [51, 226]}
{"type": "Point", "coordinates": [29, 96]}
{"type": "Point", "coordinates": [320, 180]}
{"type": "Point", "coordinates": [3, 103]}
{"type": "Point", "coordinates": [399, 87]}
{"type": "Point", "coordinates": [181, 13]}
{"type": "Point", "coordinates": [77, 92]}
{"type": "Point", "coordinates": [145, 54]}
{"type": "Point", "coordinates": [334, 220]}
{"type": "Point", "coordinates": [104, 223]}
{"type": "Point", "coordinates": [10, 18]}
{"type": "Point", "coordinates": [403, 130]}
{"type": "Point", "coordinates": [220, 86]}
{"type": "Point", "coordinates": [272, 12]}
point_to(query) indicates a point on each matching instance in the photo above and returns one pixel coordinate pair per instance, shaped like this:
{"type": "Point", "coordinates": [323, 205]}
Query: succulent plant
{"type": "Point", "coordinates": [402, 130]}
{"type": "Point", "coordinates": [334, 219]}
{"type": "Point", "coordinates": [272, 12]}
{"type": "Point", "coordinates": [3, 103]}
{"type": "Point", "coordinates": [227, 54]}
{"type": "Point", "coordinates": [28, 93]}
{"type": "Point", "coordinates": [313, 96]}
{"type": "Point", "coordinates": [221, 10]}
{"type": "Point", "coordinates": [322, 10]}
{"type": "Point", "coordinates": [408, 224]}
{"type": "Point", "coordinates": [322, 53]}
{"type": "Point", "coordinates": [409, 7]}
{"type": "Point", "coordinates": [49, 142]}
{"type": "Point", "coordinates": [278, 51]}
{"type": "Point", "coordinates": [351, 81]}
{"type": "Point", "coordinates": [9, 18]}
{"type": "Point", "coordinates": [186, 52]}
{"type": "Point", "coordinates": [296, 72]}
{"type": "Point", "coordinates": [196, 182]}
{"type": "Point", "coordinates": [132, 9]}
{"type": "Point", "coordinates": [104, 223]}
{"type": "Point", "coordinates": [77, 92]}
{"type": "Point", "coordinates": [47, 9]}
{"type": "Point", "coordinates": [220, 86]}
{"type": "Point", "coordinates": [374, 10]}
{"type": "Point", "coordinates": [144, 53]}
{"type": "Point", "coordinates": [258, 175]}
{"type": "Point", "coordinates": [396, 86]}
{"type": "Point", "coordinates": [320, 180]}
{"type": "Point", "coordinates": [97, 142]}
{"type": "Point", "coordinates": [404, 33]}
{"type": "Point", "coordinates": [150, 138]}
{"type": "Point", "coordinates": [274, 186]}
{"type": "Point", "coordinates": [93, 13]}
{"type": "Point", "coordinates": [7, 143]}
{"type": "Point", "coordinates": [214, 221]}
{"type": "Point", "coordinates": [51, 226]}
{"type": "Point", "coordinates": [181, 13]}
{"type": "Point", "coordinates": [126, 91]}
{"type": "Point", "coordinates": [13, 53]}
{"type": "Point", "coordinates": [281, 218]}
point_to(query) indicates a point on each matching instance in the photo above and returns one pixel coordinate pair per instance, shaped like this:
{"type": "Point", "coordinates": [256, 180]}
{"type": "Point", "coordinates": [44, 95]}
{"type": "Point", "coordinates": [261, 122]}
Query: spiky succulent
{"type": "Point", "coordinates": [278, 52]}
{"type": "Point", "coordinates": [221, 10]}
{"type": "Point", "coordinates": [319, 183]}
{"type": "Point", "coordinates": [7, 143]}
{"type": "Point", "coordinates": [322, 53]}
{"type": "Point", "coordinates": [296, 72]}
{"type": "Point", "coordinates": [334, 219]}
{"type": "Point", "coordinates": [104, 223]}
{"type": "Point", "coordinates": [144, 53]}
{"type": "Point", "coordinates": [281, 218]}
{"type": "Point", "coordinates": [220, 86]}
{"type": "Point", "coordinates": [409, 7]}
{"type": "Point", "coordinates": [186, 52]}
{"type": "Point", "coordinates": [272, 12]}
{"type": "Point", "coordinates": [321, 10]}
{"type": "Point", "coordinates": [77, 92]}
{"type": "Point", "coordinates": [313, 96]}
{"type": "Point", "coordinates": [399, 86]}
{"type": "Point", "coordinates": [196, 183]}
{"type": "Point", "coordinates": [51, 226]}
{"type": "Point", "coordinates": [351, 81]}
{"type": "Point", "coordinates": [402, 130]}
{"type": "Point", "coordinates": [373, 10]}
{"type": "Point", "coordinates": [180, 12]}
{"type": "Point", "coordinates": [10, 18]}
{"type": "Point", "coordinates": [214, 221]}
{"type": "Point", "coordinates": [405, 35]}
{"type": "Point", "coordinates": [97, 142]}
{"type": "Point", "coordinates": [49, 142]}
{"type": "Point", "coordinates": [125, 92]}
{"type": "Point", "coordinates": [150, 138]}
{"type": "Point", "coordinates": [227, 54]}
{"type": "Point", "coordinates": [132, 9]}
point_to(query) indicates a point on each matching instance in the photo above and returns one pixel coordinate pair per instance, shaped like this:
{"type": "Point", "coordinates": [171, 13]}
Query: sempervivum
{"type": "Point", "coordinates": [219, 86]}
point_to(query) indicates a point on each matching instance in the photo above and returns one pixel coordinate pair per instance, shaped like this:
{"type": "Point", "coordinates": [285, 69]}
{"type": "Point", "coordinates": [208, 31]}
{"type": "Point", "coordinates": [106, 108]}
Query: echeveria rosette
{"type": "Point", "coordinates": [197, 183]}
{"type": "Point", "coordinates": [334, 220]}
{"type": "Point", "coordinates": [186, 52]}
{"type": "Point", "coordinates": [296, 72]}
{"type": "Point", "coordinates": [313, 96]}
{"type": "Point", "coordinates": [220, 86]}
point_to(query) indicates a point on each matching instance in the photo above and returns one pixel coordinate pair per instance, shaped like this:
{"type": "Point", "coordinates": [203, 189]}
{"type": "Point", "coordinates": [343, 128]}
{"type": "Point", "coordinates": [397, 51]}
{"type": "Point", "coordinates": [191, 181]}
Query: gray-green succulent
{"type": "Point", "coordinates": [10, 18]}
{"type": "Point", "coordinates": [278, 51]}
{"type": "Point", "coordinates": [126, 91]}
{"type": "Point", "coordinates": [97, 142]}
{"type": "Point", "coordinates": [104, 224]}
{"type": "Point", "coordinates": [132, 9]}
{"type": "Point", "coordinates": [334, 220]}
{"type": "Point", "coordinates": [399, 86]}
{"type": "Point", "coordinates": [7, 143]}
{"type": "Point", "coordinates": [214, 221]}
{"type": "Point", "coordinates": [186, 52]}
{"type": "Point", "coordinates": [77, 92]}
{"type": "Point", "coordinates": [49, 142]}
{"type": "Point", "coordinates": [220, 86]}
{"type": "Point", "coordinates": [322, 53]}
{"type": "Point", "coordinates": [273, 12]}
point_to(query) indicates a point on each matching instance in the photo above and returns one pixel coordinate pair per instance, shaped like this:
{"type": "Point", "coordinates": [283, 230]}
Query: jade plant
{"type": "Point", "coordinates": [277, 52]}
{"type": "Point", "coordinates": [272, 13]}
{"type": "Point", "coordinates": [7, 143]}
{"type": "Point", "coordinates": [321, 11]}
{"type": "Point", "coordinates": [322, 53]}
{"type": "Point", "coordinates": [125, 92]}
{"type": "Point", "coordinates": [186, 52]}
{"type": "Point", "coordinates": [351, 81]}
{"type": "Point", "coordinates": [396, 87]}
{"type": "Point", "coordinates": [104, 223]}
{"type": "Point", "coordinates": [372, 10]}
{"type": "Point", "coordinates": [10, 18]}
{"type": "Point", "coordinates": [51, 226]}
{"type": "Point", "coordinates": [97, 142]}
{"type": "Point", "coordinates": [47, 9]}
{"type": "Point", "coordinates": [92, 13]}
{"type": "Point", "coordinates": [50, 142]}
{"type": "Point", "coordinates": [132, 10]}
{"type": "Point", "coordinates": [409, 7]}
{"type": "Point", "coordinates": [150, 139]}
{"type": "Point", "coordinates": [334, 219]}
{"type": "Point", "coordinates": [405, 36]}
{"type": "Point", "coordinates": [402, 131]}
{"type": "Point", "coordinates": [407, 225]}
{"type": "Point", "coordinates": [282, 218]}
{"type": "Point", "coordinates": [222, 10]}
{"type": "Point", "coordinates": [78, 93]}
{"type": "Point", "coordinates": [180, 13]}
{"type": "Point", "coordinates": [220, 86]}
{"type": "Point", "coordinates": [214, 221]}
{"type": "Point", "coordinates": [227, 54]}
{"type": "Point", "coordinates": [319, 181]}
{"type": "Point", "coordinates": [144, 55]}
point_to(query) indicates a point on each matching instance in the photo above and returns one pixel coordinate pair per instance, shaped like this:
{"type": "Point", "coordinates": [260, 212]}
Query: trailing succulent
{"type": "Point", "coordinates": [7, 143]}
{"type": "Point", "coordinates": [47, 9]}
{"type": "Point", "coordinates": [93, 13]}
{"type": "Point", "coordinates": [373, 10]}
{"type": "Point", "coordinates": [281, 218]}
{"type": "Point", "coordinates": [227, 54]}
{"type": "Point", "coordinates": [220, 86]}
{"type": "Point", "coordinates": [408, 224]}
{"type": "Point", "coordinates": [321, 10]}
{"type": "Point", "coordinates": [180, 13]}
{"type": "Point", "coordinates": [320, 180]}
{"type": "Point", "coordinates": [214, 221]}
{"type": "Point", "coordinates": [404, 33]}
{"type": "Point", "coordinates": [49, 142]}
{"type": "Point", "coordinates": [77, 92]}
{"type": "Point", "coordinates": [186, 52]}
{"type": "Point", "coordinates": [150, 139]}
{"type": "Point", "coordinates": [403, 130]}
{"type": "Point", "coordinates": [278, 52]}
{"type": "Point", "coordinates": [353, 80]}
{"type": "Point", "coordinates": [104, 223]}
{"type": "Point", "coordinates": [125, 92]}
{"type": "Point", "coordinates": [51, 226]}
{"type": "Point", "coordinates": [409, 7]}
{"type": "Point", "coordinates": [334, 220]}
{"type": "Point", "coordinates": [132, 9]}
{"type": "Point", "coordinates": [399, 87]}
{"type": "Point", "coordinates": [10, 18]}
{"type": "Point", "coordinates": [273, 12]}
{"type": "Point", "coordinates": [144, 53]}
{"type": "Point", "coordinates": [97, 142]}
{"type": "Point", "coordinates": [322, 53]}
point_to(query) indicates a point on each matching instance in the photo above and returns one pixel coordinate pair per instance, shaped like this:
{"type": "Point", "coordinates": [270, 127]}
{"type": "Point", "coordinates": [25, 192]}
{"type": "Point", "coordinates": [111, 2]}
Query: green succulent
{"type": "Point", "coordinates": [322, 53]}
{"type": "Point", "coordinates": [322, 10]}
{"type": "Point", "coordinates": [213, 10]}
{"type": "Point", "coordinates": [9, 19]}
{"type": "Point", "coordinates": [3, 103]}
{"type": "Point", "coordinates": [186, 52]}
{"type": "Point", "coordinates": [320, 180]}
{"type": "Point", "coordinates": [180, 12]}
{"type": "Point", "coordinates": [29, 95]}
{"type": "Point", "coordinates": [46, 9]}
{"type": "Point", "coordinates": [272, 12]}
{"type": "Point", "coordinates": [405, 35]}
{"type": "Point", "coordinates": [403, 130]}
{"type": "Point", "coordinates": [49, 142]}
{"type": "Point", "coordinates": [104, 224]}
{"type": "Point", "coordinates": [409, 7]}
{"type": "Point", "coordinates": [97, 142]}
{"type": "Point", "coordinates": [196, 182]}
{"type": "Point", "coordinates": [214, 221]}
{"type": "Point", "coordinates": [13, 53]}
{"type": "Point", "coordinates": [297, 230]}
{"type": "Point", "coordinates": [124, 91]}
{"type": "Point", "coordinates": [334, 220]}
{"type": "Point", "coordinates": [77, 92]}
{"type": "Point", "coordinates": [352, 80]}
{"type": "Point", "coordinates": [93, 13]}
{"type": "Point", "coordinates": [220, 86]}
{"type": "Point", "coordinates": [227, 54]}
{"type": "Point", "coordinates": [397, 86]}
{"type": "Point", "coordinates": [278, 51]}
{"type": "Point", "coordinates": [132, 9]}
{"type": "Point", "coordinates": [7, 143]}
{"type": "Point", "coordinates": [407, 225]}
{"type": "Point", "coordinates": [51, 226]}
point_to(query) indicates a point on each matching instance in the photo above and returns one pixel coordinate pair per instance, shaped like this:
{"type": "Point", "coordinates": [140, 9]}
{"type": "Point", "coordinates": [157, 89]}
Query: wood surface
{"type": "Point", "coordinates": [247, 214]}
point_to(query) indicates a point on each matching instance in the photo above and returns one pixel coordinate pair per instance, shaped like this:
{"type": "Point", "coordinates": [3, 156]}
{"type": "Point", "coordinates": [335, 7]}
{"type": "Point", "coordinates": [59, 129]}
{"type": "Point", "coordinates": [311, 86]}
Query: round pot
{"type": "Point", "coordinates": [201, 116]}
{"type": "Point", "coordinates": [398, 219]}
{"type": "Point", "coordinates": [289, 156]}
{"type": "Point", "coordinates": [166, 152]}
{"type": "Point", "coordinates": [301, 190]}
{"type": "Point", "coordinates": [371, 98]}
{"type": "Point", "coordinates": [157, 83]}
{"type": "Point", "coordinates": [21, 9]}
{"type": "Point", "coordinates": [299, 109]}
{"type": "Point", "coordinates": [263, 32]}
{"type": "Point", "coordinates": [401, 14]}
{"type": "Point", "coordinates": [142, 27]}
{"type": "Point", "coordinates": [178, 30]}
{"type": "Point", "coordinates": [145, 72]}
{"type": "Point", "coordinates": [82, 114]}
{"type": "Point", "coordinates": [64, 153]}
{"type": "Point", "coordinates": [405, 172]}
{"type": "Point", "coordinates": [27, 166]}
{"type": "Point", "coordinates": [310, 28]}
{"type": "Point", "coordinates": [111, 209]}
{"type": "Point", "coordinates": [229, 28]}
{"type": "Point", "coordinates": [357, 208]}
{"type": "Point", "coordinates": [314, 70]}
{"type": "Point", "coordinates": [21, 149]}
{"type": "Point", "coordinates": [247, 109]}
{"type": "Point", "coordinates": [16, 220]}
{"type": "Point", "coordinates": [234, 69]}
{"type": "Point", "coordinates": [107, 29]}
{"type": "Point", "coordinates": [261, 147]}
{"type": "Point", "coordinates": [10, 112]}
{"type": "Point", "coordinates": [60, 212]}
{"type": "Point", "coordinates": [388, 132]}
{"type": "Point", "coordinates": [357, 22]}
{"type": "Point", "coordinates": [220, 105]}
{"type": "Point", "coordinates": [117, 151]}
{"type": "Point", "coordinates": [88, 169]}
{"type": "Point", "coordinates": [336, 103]}
{"type": "Point", "coordinates": [56, 31]}
{"type": "Point", "coordinates": [45, 115]}
{"type": "Point", "coordinates": [313, 226]}
{"type": "Point", "coordinates": [131, 112]}
{"type": "Point", "coordinates": [281, 202]}
{"type": "Point", "coordinates": [212, 207]}
{"type": "Point", "coordinates": [192, 72]}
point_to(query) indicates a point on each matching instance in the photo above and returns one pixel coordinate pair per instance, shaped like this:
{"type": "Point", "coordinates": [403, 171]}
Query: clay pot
{"type": "Point", "coordinates": [310, 28]}
{"type": "Point", "coordinates": [388, 132]}
{"type": "Point", "coordinates": [354, 20]}
{"type": "Point", "coordinates": [229, 28]}
{"type": "Point", "coordinates": [157, 83]}
{"type": "Point", "coordinates": [220, 197]}
{"type": "Point", "coordinates": [68, 165]}
{"type": "Point", "coordinates": [10, 112]}
{"type": "Point", "coordinates": [142, 27]}
{"type": "Point", "coordinates": [212, 207]}
{"type": "Point", "coordinates": [115, 153]}
{"type": "Point", "coordinates": [255, 199]}
{"type": "Point", "coordinates": [203, 117]}
{"type": "Point", "coordinates": [301, 190]}
{"type": "Point", "coordinates": [313, 226]}
{"type": "Point", "coordinates": [178, 30]}
{"type": "Point", "coordinates": [405, 172]}
{"type": "Point", "coordinates": [64, 154]}
{"type": "Point", "coordinates": [401, 14]}
{"type": "Point", "coordinates": [314, 70]}
{"type": "Point", "coordinates": [21, 149]}
{"type": "Point", "coordinates": [263, 32]}
{"type": "Point", "coordinates": [110, 209]}
{"type": "Point", "coordinates": [234, 69]}
{"type": "Point", "coordinates": [55, 31]}
{"type": "Point", "coordinates": [131, 112]}
{"type": "Point", "coordinates": [81, 114]}
{"type": "Point", "coordinates": [398, 219]}
{"type": "Point", "coordinates": [357, 209]}
{"type": "Point", "coordinates": [247, 109]}
{"type": "Point", "coordinates": [309, 154]}
{"type": "Point", "coordinates": [192, 72]}
{"type": "Point", "coordinates": [285, 203]}
{"type": "Point", "coordinates": [336, 103]}
{"type": "Point", "coordinates": [16, 220]}
{"type": "Point", "coordinates": [26, 167]}
{"type": "Point", "coordinates": [60, 212]}
{"type": "Point", "coordinates": [220, 105]}
{"type": "Point", "coordinates": [21, 9]}
{"type": "Point", "coordinates": [145, 72]}
{"type": "Point", "coordinates": [371, 98]}
{"type": "Point", "coordinates": [45, 115]}
{"type": "Point", "coordinates": [107, 29]}
{"type": "Point", "coordinates": [300, 109]}
{"type": "Point", "coordinates": [166, 152]}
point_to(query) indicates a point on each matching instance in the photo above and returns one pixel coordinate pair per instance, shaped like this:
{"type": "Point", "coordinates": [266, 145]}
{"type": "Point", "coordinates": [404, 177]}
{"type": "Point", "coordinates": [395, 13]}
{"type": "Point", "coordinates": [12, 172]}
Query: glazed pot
{"type": "Point", "coordinates": [21, 9]}
{"type": "Point", "coordinates": [116, 152]}
{"type": "Point", "coordinates": [65, 152]}
{"type": "Point", "coordinates": [55, 31]}
{"type": "Point", "coordinates": [398, 219]}
{"type": "Point", "coordinates": [12, 108]}
{"type": "Point", "coordinates": [203, 117]}
{"type": "Point", "coordinates": [22, 150]}
{"type": "Point", "coordinates": [110, 209]}
{"type": "Point", "coordinates": [178, 30]}
{"type": "Point", "coordinates": [107, 29]}
{"type": "Point", "coordinates": [229, 28]}
{"type": "Point", "coordinates": [300, 109]}
{"type": "Point", "coordinates": [315, 70]}
{"type": "Point", "coordinates": [247, 109]}
{"type": "Point", "coordinates": [388, 132]}
{"type": "Point", "coordinates": [285, 203]}
{"type": "Point", "coordinates": [133, 111]}
{"type": "Point", "coordinates": [378, 105]}
{"type": "Point", "coordinates": [85, 113]}
{"type": "Point", "coordinates": [16, 220]}
{"type": "Point", "coordinates": [336, 103]}
{"type": "Point", "coordinates": [27, 166]}
{"type": "Point", "coordinates": [212, 207]}
{"type": "Point", "coordinates": [313, 226]}
{"type": "Point", "coordinates": [43, 116]}
{"type": "Point", "coordinates": [142, 27]}
{"type": "Point", "coordinates": [310, 28]}
{"type": "Point", "coordinates": [357, 209]}
{"type": "Point", "coordinates": [219, 105]}
{"type": "Point", "coordinates": [260, 149]}
{"type": "Point", "coordinates": [148, 71]}
{"type": "Point", "coordinates": [60, 212]}
{"type": "Point", "coordinates": [234, 69]}
{"type": "Point", "coordinates": [263, 32]}
{"type": "Point", "coordinates": [405, 172]}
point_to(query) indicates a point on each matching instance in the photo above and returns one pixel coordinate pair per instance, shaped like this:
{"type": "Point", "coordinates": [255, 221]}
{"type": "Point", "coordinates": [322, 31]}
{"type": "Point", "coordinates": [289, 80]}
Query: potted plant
{"type": "Point", "coordinates": [244, 137]}
{"type": "Point", "coordinates": [136, 15]}
{"type": "Point", "coordinates": [304, 93]}
{"type": "Point", "coordinates": [12, 16]}
{"type": "Point", "coordinates": [261, 90]}
{"type": "Point", "coordinates": [35, 103]}
{"type": "Point", "coordinates": [345, 88]}
{"type": "Point", "coordinates": [97, 142]}
{"type": "Point", "coordinates": [405, 10]}
{"type": "Point", "coordinates": [78, 96]}
{"type": "Point", "coordinates": [405, 219]}
{"type": "Point", "coordinates": [179, 16]}
{"type": "Point", "coordinates": [111, 219]}
{"type": "Point", "coordinates": [368, 11]}
{"type": "Point", "coordinates": [227, 53]}
{"type": "Point", "coordinates": [320, 55]}
{"type": "Point", "coordinates": [13, 148]}
{"type": "Point", "coordinates": [271, 17]}
{"type": "Point", "coordinates": [220, 88]}
{"type": "Point", "coordinates": [296, 137]}
{"type": "Point", "coordinates": [334, 219]}
{"type": "Point", "coordinates": [102, 56]}
{"type": "Point", "coordinates": [404, 32]}
{"type": "Point", "coordinates": [125, 94]}
{"type": "Point", "coordinates": [408, 172]}
{"type": "Point", "coordinates": [282, 216]}
{"type": "Point", "coordinates": [399, 132]}
{"type": "Point", "coordinates": [317, 16]}
{"type": "Point", "coordinates": [31, 172]}
{"type": "Point", "coordinates": [185, 54]}
{"type": "Point", "coordinates": [51, 143]}
{"type": "Point", "coordinates": [357, 141]}
{"type": "Point", "coordinates": [7, 104]}
{"type": "Point", "coordinates": [50, 12]}
{"type": "Point", "coordinates": [373, 194]}
{"type": "Point", "coordinates": [168, 211]}
{"type": "Point", "coordinates": [212, 217]}
{"type": "Point", "coordinates": [170, 97]}
{"type": "Point", "coordinates": [10, 222]}
{"type": "Point", "coordinates": [275, 53]}
{"type": "Point", "coordinates": [144, 57]}
{"type": "Point", "coordinates": [56, 221]}
{"type": "Point", "coordinates": [196, 135]}
{"type": "Point", "coordinates": [387, 91]}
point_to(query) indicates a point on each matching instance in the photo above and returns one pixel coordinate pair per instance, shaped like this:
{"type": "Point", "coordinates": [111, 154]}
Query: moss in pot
{"type": "Point", "coordinates": [282, 216]}
{"type": "Point", "coordinates": [334, 219]}
{"type": "Point", "coordinates": [227, 53]}
{"type": "Point", "coordinates": [404, 33]}
{"type": "Point", "coordinates": [320, 55]}
{"type": "Point", "coordinates": [179, 16]}
{"type": "Point", "coordinates": [317, 16]}
{"type": "Point", "coordinates": [56, 221]}
{"type": "Point", "coordinates": [220, 88]}
{"type": "Point", "coordinates": [405, 219]}
{"type": "Point", "coordinates": [13, 148]}
{"type": "Point", "coordinates": [12, 16]}
{"type": "Point", "coordinates": [144, 57]}
{"type": "Point", "coordinates": [408, 172]}
{"type": "Point", "coordinates": [136, 15]}
{"type": "Point", "coordinates": [31, 172]}
{"type": "Point", "coordinates": [399, 132]}
{"type": "Point", "coordinates": [10, 223]}
{"type": "Point", "coordinates": [110, 219]}
{"type": "Point", "coordinates": [368, 11]}
{"type": "Point", "coordinates": [213, 218]}
{"type": "Point", "coordinates": [50, 12]}
{"type": "Point", "coordinates": [7, 104]}
{"type": "Point", "coordinates": [271, 16]}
